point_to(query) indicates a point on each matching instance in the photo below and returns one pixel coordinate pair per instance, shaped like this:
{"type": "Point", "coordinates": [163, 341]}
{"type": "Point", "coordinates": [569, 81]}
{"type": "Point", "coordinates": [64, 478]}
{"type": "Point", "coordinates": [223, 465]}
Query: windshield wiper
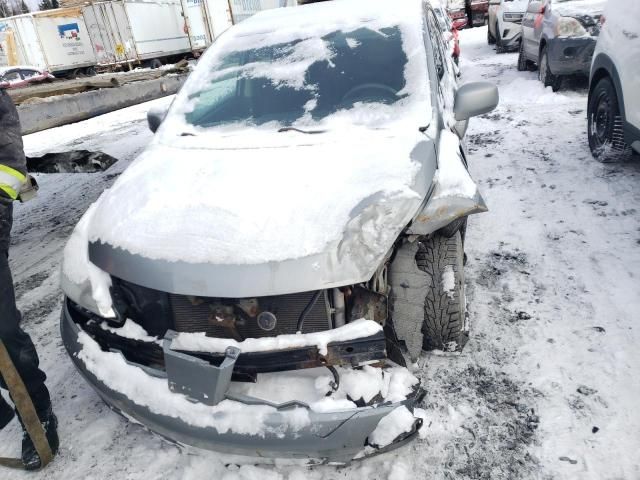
{"type": "Point", "coordinates": [294, 129]}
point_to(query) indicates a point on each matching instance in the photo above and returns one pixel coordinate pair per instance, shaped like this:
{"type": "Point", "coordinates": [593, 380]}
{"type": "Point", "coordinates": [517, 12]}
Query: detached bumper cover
{"type": "Point", "coordinates": [336, 437]}
{"type": "Point", "coordinates": [569, 56]}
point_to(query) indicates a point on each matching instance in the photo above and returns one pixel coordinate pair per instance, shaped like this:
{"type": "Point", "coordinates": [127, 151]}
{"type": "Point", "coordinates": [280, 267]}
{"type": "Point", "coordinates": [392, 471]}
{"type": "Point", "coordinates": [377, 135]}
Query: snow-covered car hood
{"type": "Point", "coordinates": [298, 212]}
{"type": "Point", "coordinates": [580, 7]}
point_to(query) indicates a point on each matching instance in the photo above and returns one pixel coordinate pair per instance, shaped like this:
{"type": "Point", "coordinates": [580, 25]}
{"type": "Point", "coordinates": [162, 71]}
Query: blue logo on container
{"type": "Point", "coordinates": [70, 31]}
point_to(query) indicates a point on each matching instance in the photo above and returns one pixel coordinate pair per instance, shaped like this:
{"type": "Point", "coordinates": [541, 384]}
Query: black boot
{"type": "Point", "coordinates": [30, 457]}
{"type": "Point", "coordinates": [6, 413]}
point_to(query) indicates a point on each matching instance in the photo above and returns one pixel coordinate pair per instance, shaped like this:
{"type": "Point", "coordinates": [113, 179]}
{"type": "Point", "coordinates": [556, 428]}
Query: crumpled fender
{"type": "Point", "coordinates": [454, 194]}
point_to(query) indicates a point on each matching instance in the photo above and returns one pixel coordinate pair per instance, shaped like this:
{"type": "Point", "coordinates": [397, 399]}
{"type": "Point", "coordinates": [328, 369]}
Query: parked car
{"type": "Point", "coordinates": [457, 13]}
{"type": "Point", "coordinates": [17, 77]}
{"type": "Point", "coordinates": [479, 12]}
{"type": "Point", "coordinates": [505, 18]}
{"type": "Point", "coordinates": [449, 32]}
{"type": "Point", "coordinates": [614, 89]}
{"type": "Point", "coordinates": [302, 204]}
{"type": "Point", "coordinates": [559, 36]}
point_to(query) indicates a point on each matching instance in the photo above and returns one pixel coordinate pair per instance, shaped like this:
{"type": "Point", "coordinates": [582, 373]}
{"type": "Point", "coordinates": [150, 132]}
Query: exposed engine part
{"type": "Point", "coordinates": [190, 316]}
{"type": "Point", "coordinates": [379, 282]}
{"type": "Point", "coordinates": [335, 385]}
{"type": "Point", "coordinates": [307, 309]}
{"type": "Point", "coordinates": [339, 308]}
{"type": "Point", "coordinates": [365, 303]}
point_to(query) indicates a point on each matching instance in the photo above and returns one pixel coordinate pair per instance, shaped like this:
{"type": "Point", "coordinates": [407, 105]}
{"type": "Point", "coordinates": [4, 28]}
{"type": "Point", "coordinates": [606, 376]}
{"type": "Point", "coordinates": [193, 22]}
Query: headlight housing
{"type": "Point", "coordinates": [570, 27]}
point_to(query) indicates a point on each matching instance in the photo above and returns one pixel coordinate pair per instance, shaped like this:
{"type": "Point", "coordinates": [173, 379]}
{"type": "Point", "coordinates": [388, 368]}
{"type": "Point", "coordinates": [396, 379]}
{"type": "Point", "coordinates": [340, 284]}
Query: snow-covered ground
{"type": "Point", "coordinates": [547, 386]}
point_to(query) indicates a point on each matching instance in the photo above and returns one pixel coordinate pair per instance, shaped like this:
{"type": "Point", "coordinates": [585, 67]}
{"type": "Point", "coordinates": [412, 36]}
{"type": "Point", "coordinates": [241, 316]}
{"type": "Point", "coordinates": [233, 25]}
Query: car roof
{"type": "Point", "coordinates": [316, 18]}
{"type": "Point", "coordinates": [4, 70]}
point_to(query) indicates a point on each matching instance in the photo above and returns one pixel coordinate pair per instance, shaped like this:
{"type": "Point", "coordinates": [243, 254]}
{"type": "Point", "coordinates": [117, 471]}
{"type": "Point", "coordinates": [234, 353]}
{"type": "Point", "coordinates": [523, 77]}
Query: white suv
{"type": "Point", "coordinates": [504, 29]}
{"type": "Point", "coordinates": [614, 87]}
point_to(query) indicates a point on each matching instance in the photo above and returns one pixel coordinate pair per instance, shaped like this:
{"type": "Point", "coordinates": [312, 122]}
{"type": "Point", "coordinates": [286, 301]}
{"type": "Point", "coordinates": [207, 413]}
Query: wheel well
{"type": "Point", "coordinates": [605, 68]}
{"type": "Point", "coordinates": [597, 76]}
{"type": "Point", "coordinates": [543, 43]}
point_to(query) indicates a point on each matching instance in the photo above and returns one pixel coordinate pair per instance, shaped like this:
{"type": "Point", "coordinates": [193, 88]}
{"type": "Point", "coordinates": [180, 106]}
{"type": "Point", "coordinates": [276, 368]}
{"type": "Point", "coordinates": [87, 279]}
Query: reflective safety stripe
{"type": "Point", "coordinates": [11, 180]}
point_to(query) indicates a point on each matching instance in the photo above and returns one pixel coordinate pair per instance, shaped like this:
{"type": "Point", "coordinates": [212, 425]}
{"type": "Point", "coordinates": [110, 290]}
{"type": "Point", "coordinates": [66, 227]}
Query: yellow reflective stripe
{"type": "Point", "coordinates": [11, 181]}
{"type": "Point", "coordinates": [13, 195]}
{"type": "Point", "coordinates": [14, 173]}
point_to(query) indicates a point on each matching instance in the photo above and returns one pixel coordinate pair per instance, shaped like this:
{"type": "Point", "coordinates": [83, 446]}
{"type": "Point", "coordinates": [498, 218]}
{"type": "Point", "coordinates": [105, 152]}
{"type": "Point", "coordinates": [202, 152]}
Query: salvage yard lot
{"type": "Point", "coordinates": [547, 386]}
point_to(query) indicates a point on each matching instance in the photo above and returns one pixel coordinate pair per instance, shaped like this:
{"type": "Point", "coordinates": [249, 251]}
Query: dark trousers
{"type": "Point", "coordinates": [18, 344]}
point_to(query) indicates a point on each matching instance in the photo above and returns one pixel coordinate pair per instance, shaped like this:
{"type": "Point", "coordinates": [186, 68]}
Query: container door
{"type": "Point", "coordinates": [195, 18]}
{"type": "Point", "coordinates": [110, 33]}
{"type": "Point", "coordinates": [29, 47]}
{"type": "Point", "coordinates": [218, 15]}
{"type": "Point", "coordinates": [158, 28]}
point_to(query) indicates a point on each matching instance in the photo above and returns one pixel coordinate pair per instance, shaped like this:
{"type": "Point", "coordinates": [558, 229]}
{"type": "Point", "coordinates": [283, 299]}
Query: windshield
{"type": "Point", "coordinates": [306, 79]}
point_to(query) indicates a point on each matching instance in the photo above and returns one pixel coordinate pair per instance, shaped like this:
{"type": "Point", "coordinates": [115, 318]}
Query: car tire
{"type": "Point", "coordinates": [490, 38]}
{"type": "Point", "coordinates": [605, 124]}
{"type": "Point", "coordinates": [544, 72]}
{"type": "Point", "coordinates": [442, 258]}
{"type": "Point", "coordinates": [499, 44]}
{"type": "Point", "coordinates": [523, 63]}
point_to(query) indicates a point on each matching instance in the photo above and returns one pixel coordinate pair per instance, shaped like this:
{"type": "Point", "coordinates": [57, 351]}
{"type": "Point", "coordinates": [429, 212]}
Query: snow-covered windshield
{"type": "Point", "coordinates": [316, 77]}
{"type": "Point", "coordinates": [324, 66]}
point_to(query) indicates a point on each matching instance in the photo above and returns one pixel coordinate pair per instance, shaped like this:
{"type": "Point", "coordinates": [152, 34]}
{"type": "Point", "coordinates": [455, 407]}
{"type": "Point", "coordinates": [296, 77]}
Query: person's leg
{"type": "Point", "coordinates": [6, 413]}
{"type": "Point", "coordinates": [22, 351]}
{"type": "Point", "coordinates": [18, 343]}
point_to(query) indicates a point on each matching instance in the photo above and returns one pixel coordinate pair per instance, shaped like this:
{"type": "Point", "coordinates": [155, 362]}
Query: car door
{"type": "Point", "coordinates": [628, 64]}
{"type": "Point", "coordinates": [532, 28]}
{"type": "Point", "coordinates": [443, 61]}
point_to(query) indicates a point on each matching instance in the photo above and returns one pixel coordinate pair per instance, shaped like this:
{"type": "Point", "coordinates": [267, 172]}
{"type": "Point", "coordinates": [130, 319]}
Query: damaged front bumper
{"type": "Point", "coordinates": [324, 437]}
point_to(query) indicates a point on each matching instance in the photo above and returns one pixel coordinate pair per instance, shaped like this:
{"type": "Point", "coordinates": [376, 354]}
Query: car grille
{"type": "Point", "coordinates": [196, 315]}
{"type": "Point", "coordinates": [512, 17]}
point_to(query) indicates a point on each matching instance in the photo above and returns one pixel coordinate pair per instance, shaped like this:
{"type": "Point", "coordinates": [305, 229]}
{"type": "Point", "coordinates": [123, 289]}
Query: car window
{"type": "Point", "coordinates": [12, 76]}
{"type": "Point", "coordinates": [436, 42]}
{"type": "Point", "coordinates": [366, 66]}
{"type": "Point", "coordinates": [29, 73]}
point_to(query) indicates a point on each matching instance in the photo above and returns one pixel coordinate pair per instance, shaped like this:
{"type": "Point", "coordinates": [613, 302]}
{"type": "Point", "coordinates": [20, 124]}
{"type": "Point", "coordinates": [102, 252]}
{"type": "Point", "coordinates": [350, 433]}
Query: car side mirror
{"type": "Point", "coordinates": [475, 98]}
{"type": "Point", "coordinates": [536, 7]}
{"type": "Point", "coordinates": [155, 117]}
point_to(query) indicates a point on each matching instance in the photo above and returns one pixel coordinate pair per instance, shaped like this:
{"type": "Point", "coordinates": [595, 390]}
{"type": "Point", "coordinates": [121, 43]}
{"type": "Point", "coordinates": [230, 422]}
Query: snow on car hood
{"type": "Point", "coordinates": [293, 197]}
{"type": "Point", "coordinates": [580, 7]}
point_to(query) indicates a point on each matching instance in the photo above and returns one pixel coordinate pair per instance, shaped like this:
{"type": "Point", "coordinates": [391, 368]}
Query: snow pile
{"type": "Point", "coordinates": [448, 280]}
{"type": "Point", "coordinates": [311, 386]}
{"type": "Point", "coordinates": [290, 69]}
{"type": "Point", "coordinates": [151, 392]}
{"type": "Point", "coordinates": [199, 342]}
{"type": "Point", "coordinates": [399, 421]}
{"type": "Point", "coordinates": [452, 179]}
{"type": "Point", "coordinates": [82, 274]}
{"type": "Point", "coordinates": [130, 330]}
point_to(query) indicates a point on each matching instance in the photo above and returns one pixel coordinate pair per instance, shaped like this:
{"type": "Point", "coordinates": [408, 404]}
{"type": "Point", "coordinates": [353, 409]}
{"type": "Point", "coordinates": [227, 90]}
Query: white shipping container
{"type": "Point", "coordinates": [54, 40]}
{"type": "Point", "coordinates": [136, 30]}
{"type": "Point", "coordinates": [207, 19]}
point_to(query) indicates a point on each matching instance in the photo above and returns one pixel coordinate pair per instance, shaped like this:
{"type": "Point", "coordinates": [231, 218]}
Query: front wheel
{"type": "Point", "coordinates": [604, 123]}
{"type": "Point", "coordinates": [442, 258]}
{"type": "Point", "coordinates": [500, 48]}
{"type": "Point", "coordinates": [523, 63]}
{"type": "Point", "coordinates": [544, 72]}
{"type": "Point", "coordinates": [490, 38]}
